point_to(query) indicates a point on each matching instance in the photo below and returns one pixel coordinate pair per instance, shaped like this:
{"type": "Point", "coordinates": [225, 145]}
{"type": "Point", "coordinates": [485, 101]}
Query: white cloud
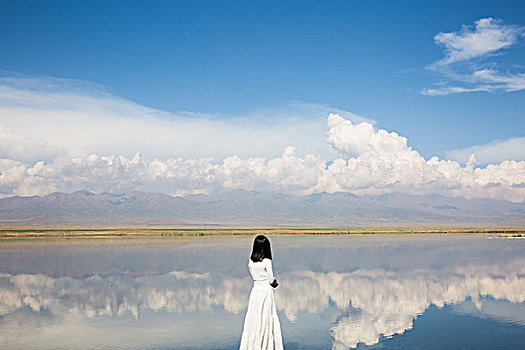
{"type": "Point", "coordinates": [496, 151]}
{"type": "Point", "coordinates": [506, 82]}
{"type": "Point", "coordinates": [362, 138]}
{"type": "Point", "coordinates": [370, 161]}
{"type": "Point", "coordinates": [14, 146]}
{"type": "Point", "coordinates": [453, 90]}
{"type": "Point", "coordinates": [56, 135]}
{"type": "Point", "coordinates": [465, 62]}
{"type": "Point", "coordinates": [82, 118]}
{"type": "Point", "coordinates": [488, 36]}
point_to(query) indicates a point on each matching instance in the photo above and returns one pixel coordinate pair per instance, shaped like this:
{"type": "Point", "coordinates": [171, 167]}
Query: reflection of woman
{"type": "Point", "coordinates": [262, 330]}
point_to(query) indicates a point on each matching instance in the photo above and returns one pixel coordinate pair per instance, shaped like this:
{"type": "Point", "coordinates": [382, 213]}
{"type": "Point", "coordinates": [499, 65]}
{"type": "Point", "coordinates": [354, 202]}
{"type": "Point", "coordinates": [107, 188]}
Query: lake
{"type": "Point", "coordinates": [336, 292]}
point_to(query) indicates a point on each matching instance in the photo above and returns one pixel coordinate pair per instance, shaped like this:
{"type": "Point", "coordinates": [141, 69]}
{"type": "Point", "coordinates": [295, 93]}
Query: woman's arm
{"type": "Point", "coordinates": [269, 271]}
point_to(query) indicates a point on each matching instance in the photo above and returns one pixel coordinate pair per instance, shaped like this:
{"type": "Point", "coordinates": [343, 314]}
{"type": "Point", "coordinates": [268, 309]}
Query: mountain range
{"type": "Point", "coordinates": [250, 208]}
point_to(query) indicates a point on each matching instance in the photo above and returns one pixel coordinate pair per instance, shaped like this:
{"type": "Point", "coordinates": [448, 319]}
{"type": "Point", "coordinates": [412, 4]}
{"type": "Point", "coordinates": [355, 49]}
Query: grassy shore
{"type": "Point", "coordinates": [194, 232]}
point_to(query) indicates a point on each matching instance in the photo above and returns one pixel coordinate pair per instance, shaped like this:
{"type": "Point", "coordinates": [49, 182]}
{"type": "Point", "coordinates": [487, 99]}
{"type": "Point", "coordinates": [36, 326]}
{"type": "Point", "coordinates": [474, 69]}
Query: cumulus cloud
{"type": "Point", "coordinates": [369, 161]}
{"type": "Point", "coordinates": [466, 59]}
{"type": "Point", "coordinates": [362, 138]}
{"type": "Point", "coordinates": [56, 136]}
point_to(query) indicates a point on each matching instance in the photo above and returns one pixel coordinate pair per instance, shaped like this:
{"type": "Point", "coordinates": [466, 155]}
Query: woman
{"type": "Point", "coordinates": [262, 330]}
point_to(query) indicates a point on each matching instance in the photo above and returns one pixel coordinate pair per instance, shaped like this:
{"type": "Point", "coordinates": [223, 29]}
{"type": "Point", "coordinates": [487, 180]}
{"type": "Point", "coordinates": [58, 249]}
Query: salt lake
{"type": "Point", "coordinates": [336, 292]}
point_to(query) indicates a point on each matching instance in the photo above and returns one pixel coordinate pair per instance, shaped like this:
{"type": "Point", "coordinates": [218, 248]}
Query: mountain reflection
{"type": "Point", "coordinates": [366, 303]}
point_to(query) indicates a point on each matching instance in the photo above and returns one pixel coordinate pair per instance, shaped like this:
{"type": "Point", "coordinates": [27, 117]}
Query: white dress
{"type": "Point", "coordinates": [262, 330]}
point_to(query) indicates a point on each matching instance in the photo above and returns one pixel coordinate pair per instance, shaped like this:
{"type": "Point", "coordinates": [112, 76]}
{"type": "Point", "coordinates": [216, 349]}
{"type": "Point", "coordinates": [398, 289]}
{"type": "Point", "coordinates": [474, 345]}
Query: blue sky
{"type": "Point", "coordinates": [240, 60]}
{"type": "Point", "coordinates": [232, 58]}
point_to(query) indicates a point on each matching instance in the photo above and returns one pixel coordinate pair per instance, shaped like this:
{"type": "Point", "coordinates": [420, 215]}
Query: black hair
{"type": "Point", "coordinates": [261, 249]}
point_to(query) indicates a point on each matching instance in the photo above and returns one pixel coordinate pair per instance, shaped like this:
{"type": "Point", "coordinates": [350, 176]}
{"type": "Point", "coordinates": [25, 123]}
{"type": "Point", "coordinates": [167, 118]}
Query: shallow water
{"type": "Point", "coordinates": [336, 292]}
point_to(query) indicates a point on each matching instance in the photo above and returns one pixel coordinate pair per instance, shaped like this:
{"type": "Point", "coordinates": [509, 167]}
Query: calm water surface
{"type": "Point", "coordinates": [336, 292]}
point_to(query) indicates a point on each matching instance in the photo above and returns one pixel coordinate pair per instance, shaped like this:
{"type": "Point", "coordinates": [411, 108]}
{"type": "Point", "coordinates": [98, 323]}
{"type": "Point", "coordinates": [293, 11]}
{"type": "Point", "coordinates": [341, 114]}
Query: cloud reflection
{"type": "Point", "coordinates": [368, 303]}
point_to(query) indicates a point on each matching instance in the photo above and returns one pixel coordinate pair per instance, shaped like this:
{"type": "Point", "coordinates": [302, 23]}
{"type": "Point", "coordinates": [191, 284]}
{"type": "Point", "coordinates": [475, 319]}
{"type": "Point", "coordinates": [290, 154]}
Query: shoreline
{"type": "Point", "coordinates": [35, 233]}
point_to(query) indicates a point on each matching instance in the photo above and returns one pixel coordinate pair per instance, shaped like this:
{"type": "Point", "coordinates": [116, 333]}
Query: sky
{"type": "Point", "coordinates": [296, 97]}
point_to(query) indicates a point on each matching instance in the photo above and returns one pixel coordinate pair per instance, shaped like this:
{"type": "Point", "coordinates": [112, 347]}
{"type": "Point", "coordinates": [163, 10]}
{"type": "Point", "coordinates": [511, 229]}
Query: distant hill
{"type": "Point", "coordinates": [248, 208]}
